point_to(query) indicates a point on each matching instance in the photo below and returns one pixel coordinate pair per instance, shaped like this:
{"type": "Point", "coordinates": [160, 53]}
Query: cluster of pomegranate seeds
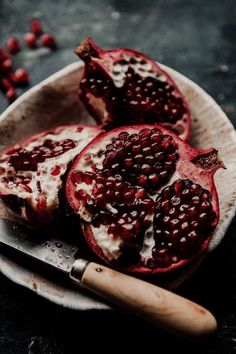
{"type": "Point", "coordinates": [184, 217]}
{"type": "Point", "coordinates": [36, 36]}
{"type": "Point", "coordinates": [11, 79]}
{"type": "Point", "coordinates": [137, 95]}
{"type": "Point", "coordinates": [120, 206]}
{"type": "Point", "coordinates": [27, 160]}
{"type": "Point", "coordinates": [147, 159]}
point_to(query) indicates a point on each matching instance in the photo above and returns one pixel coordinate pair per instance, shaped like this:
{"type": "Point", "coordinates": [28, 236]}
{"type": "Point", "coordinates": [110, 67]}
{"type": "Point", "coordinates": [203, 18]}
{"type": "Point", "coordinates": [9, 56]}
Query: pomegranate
{"type": "Point", "coordinates": [32, 172]}
{"type": "Point", "coordinates": [147, 199]}
{"type": "Point", "coordinates": [123, 86]}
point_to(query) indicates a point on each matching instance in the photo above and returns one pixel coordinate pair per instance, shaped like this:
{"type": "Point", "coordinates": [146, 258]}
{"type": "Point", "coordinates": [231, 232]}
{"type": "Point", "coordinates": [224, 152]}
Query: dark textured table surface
{"type": "Point", "coordinates": [198, 38]}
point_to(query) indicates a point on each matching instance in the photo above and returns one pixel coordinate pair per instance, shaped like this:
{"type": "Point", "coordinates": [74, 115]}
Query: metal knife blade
{"type": "Point", "coordinates": [53, 252]}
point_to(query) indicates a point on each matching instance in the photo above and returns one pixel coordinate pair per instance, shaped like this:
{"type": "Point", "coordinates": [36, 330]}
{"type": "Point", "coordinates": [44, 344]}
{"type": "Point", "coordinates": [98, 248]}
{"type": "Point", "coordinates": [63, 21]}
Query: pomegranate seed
{"type": "Point", "coordinates": [138, 158]}
{"type": "Point", "coordinates": [196, 200]}
{"type": "Point", "coordinates": [56, 171]}
{"type": "Point", "coordinates": [13, 45]}
{"type": "Point", "coordinates": [7, 65]}
{"type": "Point", "coordinates": [5, 84]}
{"type": "Point", "coordinates": [146, 169]}
{"type": "Point", "coordinates": [176, 234]}
{"type": "Point", "coordinates": [27, 189]}
{"type": "Point", "coordinates": [166, 206]}
{"type": "Point", "coordinates": [128, 162]}
{"type": "Point", "coordinates": [175, 201]}
{"type": "Point", "coordinates": [142, 181]}
{"type": "Point", "coordinates": [48, 41]}
{"type": "Point", "coordinates": [21, 77]}
{"type": "Point", "coordinates": [36, 26]}
{"type": "Point", "coordinates": [30, 40]}
{"type": "Point", "coordinates": [153, 178]}
{"type": "Point", "coordinates": [123, 135]}
{"type": "Point", "coordinates": [161, 255]}
{"type": "Point", "coordinates": [11, 95]}
{"type": "Point", "coordinates": [128, 197]}
{"type": "Point", "coordinates": [192, 235]}
{"type": "Point", "coordinates": [156, 137]}
{"type": "Point", "coordinates": [178, 187]}
{"type": "Point", "coordinates": [203, 217]}
{"type": "Point", "coordinates": [183, 242]}
{"type": "Point", "coordinates": [174, 223]}
{"type": "Point", "coordinates": [185, 226]}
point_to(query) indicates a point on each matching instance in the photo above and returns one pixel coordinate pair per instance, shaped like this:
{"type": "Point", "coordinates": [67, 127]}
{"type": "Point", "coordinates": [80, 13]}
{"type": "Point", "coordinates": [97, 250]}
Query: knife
{"type": "Point", "coordinates": [157, 305]}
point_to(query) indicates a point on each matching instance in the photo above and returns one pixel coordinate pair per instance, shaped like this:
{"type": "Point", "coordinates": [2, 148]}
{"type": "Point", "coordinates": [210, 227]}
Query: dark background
{"type": "Point", "coordinates": [197, 38]}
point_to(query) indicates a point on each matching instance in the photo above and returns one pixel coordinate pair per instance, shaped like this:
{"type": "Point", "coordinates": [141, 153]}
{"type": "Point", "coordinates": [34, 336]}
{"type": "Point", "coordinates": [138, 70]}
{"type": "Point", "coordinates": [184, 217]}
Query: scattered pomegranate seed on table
{"type": "Point", "coordinates": [7, 65]}
{"type": "Point", "coordinates": [36, 26]}
{"type": "Point", "coordinates": [48, 41]}
{"type": "Point", "coordinates": [21, 76]}
{"type": "Point", "coordinates": [11, 95]}
{"type": "Point", "coordinates": [5, 84]}
{"type": "Point", "coordinates": [13, 45]}
{"type": "Point", "coordinates": [30, 40]}
{"type": "Point", "coordinates": [10, 79]}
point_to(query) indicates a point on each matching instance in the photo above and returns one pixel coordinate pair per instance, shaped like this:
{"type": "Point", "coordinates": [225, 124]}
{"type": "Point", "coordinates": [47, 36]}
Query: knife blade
{"type": "Point", "coordinates": [161, 307]}
{"type": "Point", "coordinates": [53, 252]}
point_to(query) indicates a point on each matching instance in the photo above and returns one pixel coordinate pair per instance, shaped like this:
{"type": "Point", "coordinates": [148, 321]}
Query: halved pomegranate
{"type": "Point", "coordinates": [32, 172]}
{"type": "Point", "coordinates": [123, 86]}
{"type": "Point", "coordinates": [147, 199]}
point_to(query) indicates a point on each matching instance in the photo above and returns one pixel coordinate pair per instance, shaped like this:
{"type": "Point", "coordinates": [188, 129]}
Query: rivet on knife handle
{"type": "Point", "coordinates": [159, 306]}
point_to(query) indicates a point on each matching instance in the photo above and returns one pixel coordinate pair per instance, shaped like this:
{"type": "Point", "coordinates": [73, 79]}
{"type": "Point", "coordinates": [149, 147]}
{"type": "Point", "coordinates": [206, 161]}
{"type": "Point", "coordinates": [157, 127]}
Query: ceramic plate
{"type": "Point", "coordinates": [54, 102]}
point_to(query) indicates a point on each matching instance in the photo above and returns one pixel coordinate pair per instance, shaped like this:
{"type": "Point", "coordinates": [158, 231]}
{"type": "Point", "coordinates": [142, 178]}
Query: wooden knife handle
{"type": "Point", "coordinates": [159, 306]}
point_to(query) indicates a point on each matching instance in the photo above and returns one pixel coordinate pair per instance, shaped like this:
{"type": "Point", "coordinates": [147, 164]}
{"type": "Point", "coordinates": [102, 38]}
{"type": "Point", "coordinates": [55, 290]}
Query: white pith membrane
{"type": "Point", "coordinates": [142, 68]}
{"type": "Point", "coordinates": [46, 182]}
{"type": "Point", "coordinates": [88, 160]}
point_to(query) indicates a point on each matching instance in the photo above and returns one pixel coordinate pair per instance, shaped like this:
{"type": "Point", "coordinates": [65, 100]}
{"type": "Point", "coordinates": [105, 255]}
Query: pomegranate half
{"type": "Point", "coordinates": [123, 87]}
{"type": "Point", "coordinates": [32, 172]}
{"type": "Point", "coordinates": [147, 200]}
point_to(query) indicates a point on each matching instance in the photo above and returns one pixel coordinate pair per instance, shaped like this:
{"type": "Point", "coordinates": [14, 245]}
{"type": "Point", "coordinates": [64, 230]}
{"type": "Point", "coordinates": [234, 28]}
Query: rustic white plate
{"type": "Point", "coordinates": [54, 102]}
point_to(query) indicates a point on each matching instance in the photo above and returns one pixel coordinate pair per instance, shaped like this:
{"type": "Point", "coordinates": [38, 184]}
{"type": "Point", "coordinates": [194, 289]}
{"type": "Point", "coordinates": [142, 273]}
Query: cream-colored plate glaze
{"type": "Point", "coordinates": [54, 102]}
